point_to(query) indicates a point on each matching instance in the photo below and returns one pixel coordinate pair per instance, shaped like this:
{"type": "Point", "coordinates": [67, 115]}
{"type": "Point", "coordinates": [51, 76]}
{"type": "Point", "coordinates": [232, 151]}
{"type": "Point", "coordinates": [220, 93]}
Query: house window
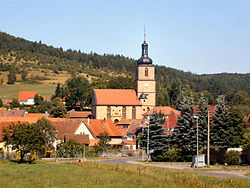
{"type": "Point", "coordinates": [124, 112]}
{"type": "Point", "coordinates": [108, 112]}
{"type": "Point", "coordinates": [133, 112]}
{"type": "Point", "coordinates": [146, 71]}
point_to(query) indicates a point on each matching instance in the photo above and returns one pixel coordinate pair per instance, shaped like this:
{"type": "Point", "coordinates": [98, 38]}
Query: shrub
{"type": "Point", "coordinates": [216, 155]}
{"type": "Point", "coordinates": [233, 158]}
{"type": "Point", "coordinates": [245, 156]}
{"type": "Point", "coordinates": [171, 155]}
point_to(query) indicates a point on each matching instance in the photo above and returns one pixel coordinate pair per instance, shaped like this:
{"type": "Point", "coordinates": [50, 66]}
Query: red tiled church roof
{"type": "Point", "coordinates": [116, 97]}
{"type": "Point", "coordinates": [25, 95]}
{"type": "Point", "coordinates": [166, 110]}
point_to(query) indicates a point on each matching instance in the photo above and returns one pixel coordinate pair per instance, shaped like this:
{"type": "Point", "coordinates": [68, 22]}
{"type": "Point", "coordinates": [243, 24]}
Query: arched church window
{"type": "Point", "coordinates": [146, 71]}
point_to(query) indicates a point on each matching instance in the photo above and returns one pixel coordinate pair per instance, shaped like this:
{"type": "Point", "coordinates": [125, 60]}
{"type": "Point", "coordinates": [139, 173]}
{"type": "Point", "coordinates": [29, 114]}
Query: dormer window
{"type": "Point", "coordinates": [146, 71]}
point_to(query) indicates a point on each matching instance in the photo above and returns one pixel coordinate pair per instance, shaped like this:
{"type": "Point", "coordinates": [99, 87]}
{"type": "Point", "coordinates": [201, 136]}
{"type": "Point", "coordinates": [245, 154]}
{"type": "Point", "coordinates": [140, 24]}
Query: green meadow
{"type": "Point", "coordinates": [96, 174]}
{"type": "Point", "coordinates": [11, 91]}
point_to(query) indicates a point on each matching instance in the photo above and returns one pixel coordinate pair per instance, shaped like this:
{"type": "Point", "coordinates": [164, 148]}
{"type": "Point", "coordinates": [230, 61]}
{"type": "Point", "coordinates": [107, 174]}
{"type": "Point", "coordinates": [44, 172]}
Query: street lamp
{"type": "Point", "coordinates": [197, 137]}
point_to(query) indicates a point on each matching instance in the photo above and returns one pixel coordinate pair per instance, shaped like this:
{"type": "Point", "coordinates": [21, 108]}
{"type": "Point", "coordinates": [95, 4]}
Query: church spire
{"type": "Point", "coordinates": [144, 57]}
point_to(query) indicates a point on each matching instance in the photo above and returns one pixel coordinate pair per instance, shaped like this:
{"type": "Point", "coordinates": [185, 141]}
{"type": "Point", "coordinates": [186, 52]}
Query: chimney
{"type": "Point", "coordinates": [88, 121]}
{"type": "Point", "coordinates": [104, 120]}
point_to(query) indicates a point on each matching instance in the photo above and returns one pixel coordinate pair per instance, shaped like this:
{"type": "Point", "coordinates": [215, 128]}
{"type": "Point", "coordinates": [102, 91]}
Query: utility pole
{"type": "Point", "coordinates": [208, 137]}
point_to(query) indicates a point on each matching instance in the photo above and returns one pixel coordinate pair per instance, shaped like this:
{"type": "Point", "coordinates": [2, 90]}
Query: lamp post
{"type": "Point", "coordinates": [197, 141]}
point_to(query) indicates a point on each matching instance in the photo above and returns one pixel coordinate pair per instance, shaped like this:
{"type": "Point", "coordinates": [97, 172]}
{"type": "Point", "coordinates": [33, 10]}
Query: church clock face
{"type": "Point", "coordinates": [146, 85]}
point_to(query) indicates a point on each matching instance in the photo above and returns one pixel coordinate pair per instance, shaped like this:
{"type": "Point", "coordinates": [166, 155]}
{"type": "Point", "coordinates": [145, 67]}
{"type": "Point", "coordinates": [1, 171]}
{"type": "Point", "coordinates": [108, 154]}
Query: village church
{"type": "Point", "coordinates": [117, 104]}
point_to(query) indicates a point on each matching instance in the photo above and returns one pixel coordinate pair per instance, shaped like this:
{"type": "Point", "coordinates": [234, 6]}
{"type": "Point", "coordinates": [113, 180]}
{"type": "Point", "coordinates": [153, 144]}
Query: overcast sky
{"type": "Point", "coordinates": [191, 35]}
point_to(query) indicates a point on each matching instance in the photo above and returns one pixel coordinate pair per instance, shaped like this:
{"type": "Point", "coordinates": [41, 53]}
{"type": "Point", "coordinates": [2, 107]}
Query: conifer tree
{"type": "Point", "coordinates": [202, 112]}
{"type": "Point", "coordinates": [180, 100]}
{"type": "Point", "coordinates": [219, 126]}
{"type": "Point", "coordinates": [185, 134]}
{"type": "Point", "coordinates": [236, 128]}
{"type": "Point", "coordinates": [157, 137]}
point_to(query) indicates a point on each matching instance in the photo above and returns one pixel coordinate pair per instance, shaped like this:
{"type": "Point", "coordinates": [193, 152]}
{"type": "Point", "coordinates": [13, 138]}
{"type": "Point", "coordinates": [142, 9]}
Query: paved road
{"type": "Point", "coordinates": [133, 162]}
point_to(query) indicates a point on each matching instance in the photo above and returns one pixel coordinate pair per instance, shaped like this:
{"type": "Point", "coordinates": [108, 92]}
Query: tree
{"type": "Point", "coordinates": [173, 93]}
{"type": "Point", "coordinates": [1, 102]}
{"type": "Point", "coordinates": [219, 124]}
{"type": "Point", "coordinates": [69, 149]}
{"type": "Point", "coordinates": [162, 97]}
{"type": "Point", "coordinates": [14, 103]}
{"type": "Point", "coordinates": [42, 108]}
{"type": "Point", "coordinates": [157, 137]}
{"type": "Point", "coordinates": [246, 139]}
{"type": "Point", "coordinates": [28, 138]}
{"type": "Point", "coordinates": [38, 99]}
{"type": "Point", "coordinates": [121, 82]}
{"type": "Point", "coordinates": [79, 92]}
{"type": "Point", "coordinates": [104, 140]}
{"type": "Point", "coordinates": [58, 109]}
{"type": "Point", "coordinates": [202, 112]}
{"type": "Point", "coordinates": [184, 138]}
{"type": "Point", "coordinates": [236, 128]}
{"type": "Point", "coordinates": [11, 78]}
{"type": "Point", "coordinates": [24, 76]}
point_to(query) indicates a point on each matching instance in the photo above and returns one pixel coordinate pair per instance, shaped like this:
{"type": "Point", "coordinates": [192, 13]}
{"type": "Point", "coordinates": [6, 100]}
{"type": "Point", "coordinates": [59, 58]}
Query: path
{"type": "Point", "coordinates": [219, 174]}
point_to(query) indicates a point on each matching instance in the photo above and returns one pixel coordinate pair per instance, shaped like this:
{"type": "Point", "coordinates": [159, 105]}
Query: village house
{"type": "Point", "coordinates": [27, 97]}
{"type": "Point", "coordinates": [79, 114]}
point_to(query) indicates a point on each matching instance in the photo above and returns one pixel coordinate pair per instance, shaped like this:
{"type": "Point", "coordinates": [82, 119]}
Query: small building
{"type": "Point", "coordinates": [15, 113]}
{"type": "Point", "coordinates": [27, 97]}
{"type": "Point", "coordinates": [79, 114]}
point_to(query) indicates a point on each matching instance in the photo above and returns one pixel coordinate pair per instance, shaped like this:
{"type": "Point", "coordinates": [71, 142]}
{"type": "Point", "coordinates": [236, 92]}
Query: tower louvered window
{"type": "Point", "coordinates": [124, 112]}
{"type": "Point", "coordinates": [133, 112]}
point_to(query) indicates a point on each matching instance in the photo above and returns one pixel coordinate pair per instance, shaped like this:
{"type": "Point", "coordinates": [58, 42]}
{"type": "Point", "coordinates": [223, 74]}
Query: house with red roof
{"type": "Point", "coordinates": [27, 97]}
{"type": "Point", "coordinates": [94, 127]}
{"type": "Point", "coordinates": [79, 114]}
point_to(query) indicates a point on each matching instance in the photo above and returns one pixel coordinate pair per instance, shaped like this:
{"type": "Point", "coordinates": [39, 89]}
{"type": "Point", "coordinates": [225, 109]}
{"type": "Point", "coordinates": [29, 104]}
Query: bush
{"type": "Point", "coordinates": [157, 156]}
{"type": "Point", "coordinates": [216, 155]}
{"type": "Point", "coordinates": [245, 156]}
{"type": "Point", "coordinates": [171, 155]}
{"type": "Point", "coordinates": [233, 158]}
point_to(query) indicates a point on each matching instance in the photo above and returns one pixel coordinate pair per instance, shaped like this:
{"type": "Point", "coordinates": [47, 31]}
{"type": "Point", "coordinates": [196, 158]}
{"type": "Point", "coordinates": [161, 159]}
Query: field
{"type": "Point", "coordinates": [96, 174]}
{"type": "Point", "coordinates": [11, 91]}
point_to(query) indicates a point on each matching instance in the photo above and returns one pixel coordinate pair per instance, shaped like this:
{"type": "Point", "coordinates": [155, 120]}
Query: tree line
{"type": "Point", "coordinates": [227, 130]}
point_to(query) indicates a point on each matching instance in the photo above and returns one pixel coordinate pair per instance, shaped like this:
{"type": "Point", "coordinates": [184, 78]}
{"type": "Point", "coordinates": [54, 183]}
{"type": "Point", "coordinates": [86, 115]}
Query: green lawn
{"type": "Point", "coordinates": [11, 91]}
{"type": "Point", "coordinates": [96, 174]}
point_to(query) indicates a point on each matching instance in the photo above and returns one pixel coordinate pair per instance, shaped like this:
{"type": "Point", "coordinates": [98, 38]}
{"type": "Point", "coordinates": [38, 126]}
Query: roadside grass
{"type": "Point", "coordinates": [12, 91]}
{"type": "Point", "coordinates": [96, 174]}
{"type": "Point", "coordinates": [247, 174]}
{"type": "Point", "coordinates": [152, 162]}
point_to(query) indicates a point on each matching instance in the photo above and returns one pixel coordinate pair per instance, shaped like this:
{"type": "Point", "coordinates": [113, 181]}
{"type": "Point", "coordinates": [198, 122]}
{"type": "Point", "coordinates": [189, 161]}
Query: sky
{"type": "Point", "coordinates": [199, 36]}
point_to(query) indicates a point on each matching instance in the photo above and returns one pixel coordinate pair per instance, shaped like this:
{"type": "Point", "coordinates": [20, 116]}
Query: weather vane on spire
{"type": "Point", "coordinates": [144, 33]}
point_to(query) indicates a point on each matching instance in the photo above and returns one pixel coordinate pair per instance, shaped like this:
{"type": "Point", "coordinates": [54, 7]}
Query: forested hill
{"type": "Point", "coordinates": [40, 56]}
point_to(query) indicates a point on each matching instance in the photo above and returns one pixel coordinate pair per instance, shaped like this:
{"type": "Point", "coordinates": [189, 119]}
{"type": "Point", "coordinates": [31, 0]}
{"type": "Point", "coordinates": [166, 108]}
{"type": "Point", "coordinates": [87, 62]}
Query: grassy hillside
{"type": "Point", "coordinates": [11, 91]}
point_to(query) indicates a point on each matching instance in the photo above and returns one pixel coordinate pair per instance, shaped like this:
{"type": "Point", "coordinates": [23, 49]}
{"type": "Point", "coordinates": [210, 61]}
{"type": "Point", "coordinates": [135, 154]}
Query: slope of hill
{"type": "Point", "coordinates": [22, 55]}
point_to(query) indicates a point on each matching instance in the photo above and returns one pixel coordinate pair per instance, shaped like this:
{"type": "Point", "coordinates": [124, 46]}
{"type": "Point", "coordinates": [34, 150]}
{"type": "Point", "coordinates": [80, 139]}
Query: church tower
{"type": "Point", "coordinates": [145, 79]}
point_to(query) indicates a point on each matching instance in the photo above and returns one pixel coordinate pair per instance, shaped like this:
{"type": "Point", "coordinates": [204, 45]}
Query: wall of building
{"type": "Point", "coordinates": [82, 129]}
